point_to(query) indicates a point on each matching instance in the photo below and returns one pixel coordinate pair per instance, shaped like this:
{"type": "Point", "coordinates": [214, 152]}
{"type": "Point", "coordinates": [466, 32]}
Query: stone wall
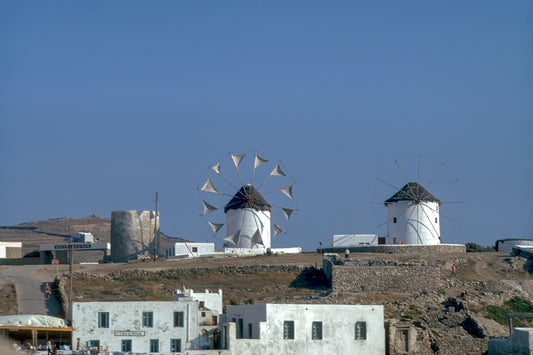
{"type": "Point", "coordinates": [378, 275]}
{"type": "Point", "coordinates": [400, 249]}
{"type": "Point", "coordinates": [21, 261]}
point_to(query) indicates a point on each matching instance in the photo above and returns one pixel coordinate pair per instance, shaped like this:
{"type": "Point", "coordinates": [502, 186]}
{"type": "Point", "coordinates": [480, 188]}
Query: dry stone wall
{"type": "Point", "coordinates": [378, 275]}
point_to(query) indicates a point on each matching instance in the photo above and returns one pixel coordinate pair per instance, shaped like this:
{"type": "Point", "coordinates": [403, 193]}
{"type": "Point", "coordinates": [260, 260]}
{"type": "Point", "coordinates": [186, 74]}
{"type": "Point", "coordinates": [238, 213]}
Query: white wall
{"type": "Point", "coordinates": [248, 221]}
{"type": "Point", "coordinates": [507, 245]}
{"type": "Point", "coordinates": [188, 249]}
{"type": "Point", "coordinates": [211, 300]}
{"type": "Point", "coordinates": [338, 322]}
{"type": "Point", "coordinates": [353, 240]}
{"type": "Point", "coordinates": [5, 245]}
{"type": "Point", "coordinates": [415, 223]}
{"type": "Point", "coordinates": [127, 316]}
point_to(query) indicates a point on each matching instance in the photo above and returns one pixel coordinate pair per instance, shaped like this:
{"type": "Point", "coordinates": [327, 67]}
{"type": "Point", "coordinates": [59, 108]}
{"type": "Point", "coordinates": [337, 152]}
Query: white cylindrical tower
{"type": "Point", "coordinates": [247, 220]}
{"type": "Point", "coordinates": [413, 216]}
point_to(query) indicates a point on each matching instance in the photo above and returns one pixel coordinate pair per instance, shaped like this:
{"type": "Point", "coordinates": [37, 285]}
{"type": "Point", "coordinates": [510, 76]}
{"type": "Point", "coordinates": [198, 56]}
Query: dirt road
{"type": "Point", "coordinates": [29, 285]}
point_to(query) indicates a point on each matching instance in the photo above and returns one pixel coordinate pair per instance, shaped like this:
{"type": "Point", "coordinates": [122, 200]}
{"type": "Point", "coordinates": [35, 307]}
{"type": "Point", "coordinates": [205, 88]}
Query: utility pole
{"type": "Point", "coordinates": [156, 231]}
{"type": "Point", "coordinates": [70, 257]}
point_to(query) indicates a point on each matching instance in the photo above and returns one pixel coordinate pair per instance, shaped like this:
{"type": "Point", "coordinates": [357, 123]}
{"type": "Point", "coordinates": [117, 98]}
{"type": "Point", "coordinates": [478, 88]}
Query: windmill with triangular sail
{"type": "Point", "coordinates": [248, 200]}
{"type": "Point", "coordinates": [414, 213]}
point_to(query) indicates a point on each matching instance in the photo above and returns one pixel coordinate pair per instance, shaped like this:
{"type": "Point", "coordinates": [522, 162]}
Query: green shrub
{"type": "Point", "coordinates": [519, 305]}
{"type": "Point", "coordinates": [476, 248]}
{"type": "Point", "coordinates": [498, 314]}
{"type": "Point", "coordinates": [513, 305]}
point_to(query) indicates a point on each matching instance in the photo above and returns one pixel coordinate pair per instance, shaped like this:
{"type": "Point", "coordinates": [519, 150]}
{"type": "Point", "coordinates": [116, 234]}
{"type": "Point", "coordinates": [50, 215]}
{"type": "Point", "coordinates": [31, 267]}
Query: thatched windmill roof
{"type": "Point", "coordinates": [413, 191]}
{"type": "Point", "coordinates": [248, 197]}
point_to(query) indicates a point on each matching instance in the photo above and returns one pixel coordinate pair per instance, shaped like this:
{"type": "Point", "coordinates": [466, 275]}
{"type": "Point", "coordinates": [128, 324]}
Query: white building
{"type": "Point", "coordinates": [519, 342]}
{"type": "Point", "coordinates": [9, 250]}
{"type": "Point", "coordinates": [304, 329]}
{"type": "Point", "coordinates": [247, 220]}
{"type": "Point", "coordinates": [191, 250]}
{"type": "Point", "coordinates": [83, 237]}
{"type": "Point", "coordinates": [166, 327]}
{"type": "Point", "coordinates": [194, 324]}
{"type": "Point", "coordinates": [507, 245]}
{"type": "Point", "coordinates": [413, 216]}
{"type": "Point", "coordinates": [355, 240]}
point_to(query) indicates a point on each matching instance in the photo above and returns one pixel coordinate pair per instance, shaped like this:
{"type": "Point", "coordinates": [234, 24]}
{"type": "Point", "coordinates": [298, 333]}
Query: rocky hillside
{"type": "Point", "coordinates": [455, 317]}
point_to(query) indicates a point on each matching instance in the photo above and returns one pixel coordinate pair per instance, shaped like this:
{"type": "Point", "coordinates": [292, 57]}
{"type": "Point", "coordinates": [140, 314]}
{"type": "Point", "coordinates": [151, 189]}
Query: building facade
{"type": "Point", "coordinates": [304, 329]}
{"type": "Point", "coordinates": [194, 324]}
{"type": "Point", "coordinates": [190, 322]}
{"type": "Point", "coordinates": [191, 250]}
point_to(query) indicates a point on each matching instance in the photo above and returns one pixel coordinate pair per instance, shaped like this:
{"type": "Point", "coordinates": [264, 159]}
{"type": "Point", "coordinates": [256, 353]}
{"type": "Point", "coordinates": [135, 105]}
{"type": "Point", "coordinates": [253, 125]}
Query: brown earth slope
{"type": "Point", "coordinates": [57, 231]}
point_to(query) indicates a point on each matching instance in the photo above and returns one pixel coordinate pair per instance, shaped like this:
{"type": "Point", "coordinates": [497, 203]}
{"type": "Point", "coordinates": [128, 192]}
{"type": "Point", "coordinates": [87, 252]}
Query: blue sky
{"type": "Point", "coordinates": [104, 103]}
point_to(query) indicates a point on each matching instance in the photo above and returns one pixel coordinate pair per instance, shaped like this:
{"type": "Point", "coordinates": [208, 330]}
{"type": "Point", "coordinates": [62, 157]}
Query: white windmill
{"type": "Point", "coordinates": [413, 213]}
{"type": "Point", "coordinates": [248, 215]}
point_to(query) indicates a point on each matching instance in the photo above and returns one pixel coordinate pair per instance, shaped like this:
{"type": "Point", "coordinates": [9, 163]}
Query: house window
{"type": "Point", "coordinates": [194, 249]}
{"type": "Point", "coordinates": [103, 319]}
{"type": "Point", "coordinates": [317, 331]}
{"type": "Point", "coordinates": [93, 343]}
{"type": "Point", "coordinates": [154, 345]}
{"type": "Point", "coordinates": [203, 314]}
{"type": "Point", "coordinates": [175, 345]}
{"type": "Point", "coordinates": [288, 329]}
{"type": "Point", "coordinates": [250, 330]}
{"type": "Point", "coordinates": [215, 320]}
{"type": "Point", "coordinates": [178, 319]}
{"type": "Point", "coordinates": [202, 304]}
{"type": "Point", "coordinates": [148, 319]}
{"type": "Point", "coordinates": [240, 328]}
{"type": "Point", "coordinates": [360, 330]}
{"type": "Point", "coordinates": [126, 345]}
{"type": "Point", "coordinates": [394, 220]}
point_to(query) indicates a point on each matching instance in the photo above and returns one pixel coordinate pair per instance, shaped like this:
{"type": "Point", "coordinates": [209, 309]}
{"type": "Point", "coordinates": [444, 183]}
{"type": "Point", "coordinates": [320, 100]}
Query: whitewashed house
{"type": "Point", "coordinates": [356, 240]}
{"type": "Point", "coordinates": [190, 322]}
{"type": "Point", "coordinates": [191, 250]}
{"type": "Point", "coordinates": [304, 329]}
{"type": "Point", "coordinates": [194, 324]}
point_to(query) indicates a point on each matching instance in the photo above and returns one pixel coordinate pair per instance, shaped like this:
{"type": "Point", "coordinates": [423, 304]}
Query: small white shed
{"type": "Point", "coordinates": [191, 250]}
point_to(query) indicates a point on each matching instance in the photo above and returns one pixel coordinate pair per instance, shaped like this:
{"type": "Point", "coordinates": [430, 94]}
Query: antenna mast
{"type": "Point", "coordinates": [156, 236]}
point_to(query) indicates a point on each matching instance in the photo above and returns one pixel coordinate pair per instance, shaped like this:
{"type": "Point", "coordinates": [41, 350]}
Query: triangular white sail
{"type": "Point", "coordinates": [256, 238]}
{"type": "Point", "coordinates": [259, 161]}
{"type": "Point", "coordinates": [216, 226]}
{"type": "Point", "coordinates": [209, 187]}
{"type": "Point", "coordinates": [277, 229]}
{"type": "Point", "coordinates": [287, 190]}
{"type": "Point", "coordinates": [287, 212]}
{"type": "Point", "coordinates": [216, 168]}
{"type": "Point", "coordinates": [277, 171]}
{"type": "Point", "coordinates": [233, 239]}
{"type": "Point", "coordinates": [208, 208]}
{"type": "Point", "coordinates": [237, 159]}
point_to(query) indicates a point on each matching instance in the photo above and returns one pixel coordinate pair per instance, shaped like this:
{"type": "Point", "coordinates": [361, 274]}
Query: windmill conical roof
{"type": "Point", "coordinates": [413, 191]}
{"type": "Point", "coordinates": [247, 197]}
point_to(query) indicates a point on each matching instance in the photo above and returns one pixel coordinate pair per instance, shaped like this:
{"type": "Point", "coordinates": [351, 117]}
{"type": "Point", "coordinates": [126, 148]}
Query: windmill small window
{"type": "Point", "coordinates": [395, 220]}
{"type": "Point", "coordinates": [436, 220]}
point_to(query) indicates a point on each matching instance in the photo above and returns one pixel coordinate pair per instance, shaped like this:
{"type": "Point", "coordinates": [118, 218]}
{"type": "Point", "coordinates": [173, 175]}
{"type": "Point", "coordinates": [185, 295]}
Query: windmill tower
{"type": "Point", "coordinates": [413, 216]}
{"type": "Point", "coordinates": [248, 216]}
{"type": "Point", "coordinates": [247, 220]}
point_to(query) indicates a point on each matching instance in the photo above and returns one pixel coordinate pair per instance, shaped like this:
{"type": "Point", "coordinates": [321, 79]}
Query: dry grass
{"type": "Point", "coordinates": [258, 287]}
{"type": "Point", "coordinates": [8, 300]}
